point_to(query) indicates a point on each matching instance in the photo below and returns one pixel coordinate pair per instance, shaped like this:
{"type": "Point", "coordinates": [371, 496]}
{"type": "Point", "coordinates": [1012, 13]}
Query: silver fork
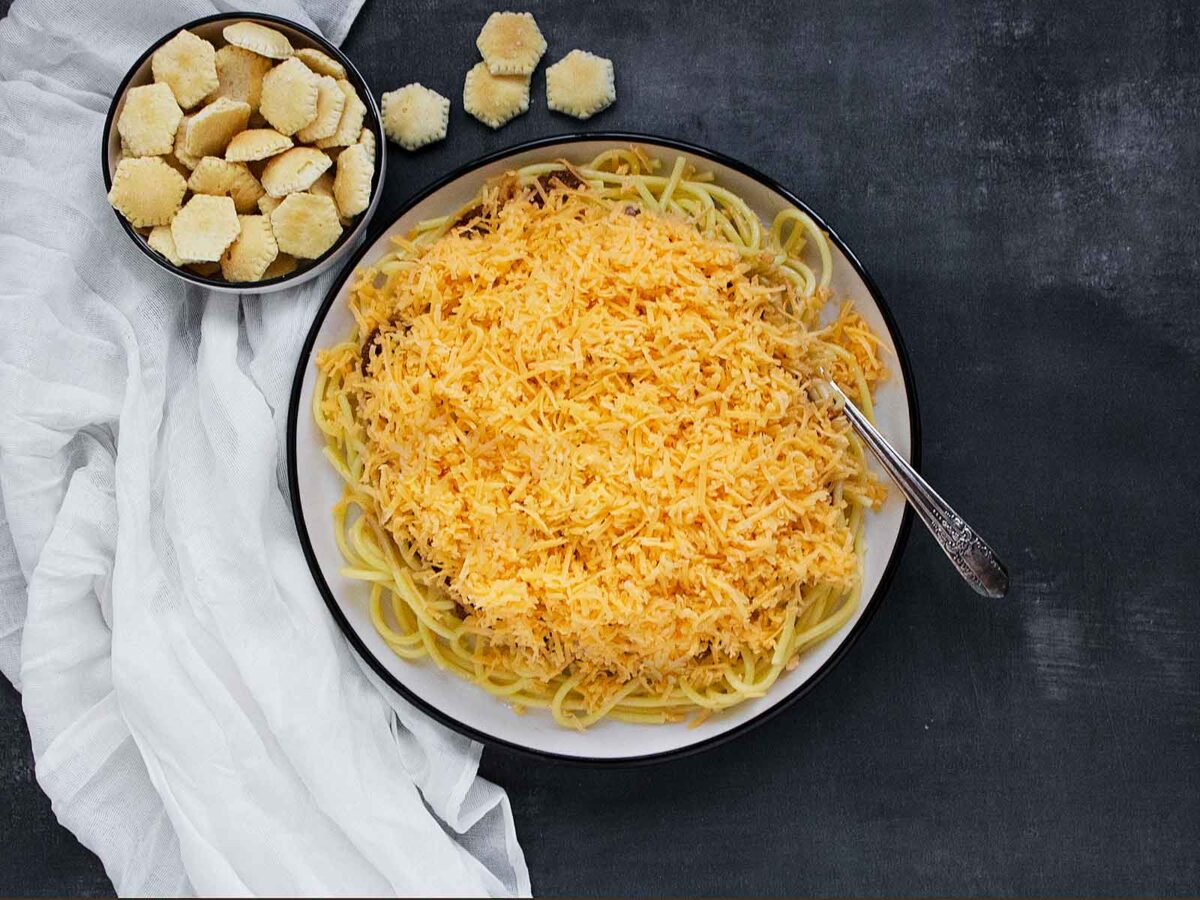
{"type": "Point", "coordinates": [974, 559]}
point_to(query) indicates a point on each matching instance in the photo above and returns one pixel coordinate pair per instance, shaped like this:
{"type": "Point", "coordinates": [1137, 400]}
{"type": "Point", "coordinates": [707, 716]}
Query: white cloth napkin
{"type": "Point", "coordinates": [197, 719]}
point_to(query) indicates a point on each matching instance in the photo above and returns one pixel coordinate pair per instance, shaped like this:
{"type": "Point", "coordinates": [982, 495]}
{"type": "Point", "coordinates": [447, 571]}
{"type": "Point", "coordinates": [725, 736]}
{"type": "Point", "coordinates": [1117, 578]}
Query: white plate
{"type": "Point", "coordinates": [460, 704]}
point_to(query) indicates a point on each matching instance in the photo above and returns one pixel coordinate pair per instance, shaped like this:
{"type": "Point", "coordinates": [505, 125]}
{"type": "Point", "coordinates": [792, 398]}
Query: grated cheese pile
{"type": "Point", "coordinates": [594, 425]}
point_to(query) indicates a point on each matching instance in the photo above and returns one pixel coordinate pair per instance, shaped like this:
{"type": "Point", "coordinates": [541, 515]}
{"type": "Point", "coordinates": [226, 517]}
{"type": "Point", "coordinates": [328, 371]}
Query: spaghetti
{"type": "Point", "coordinates": [588, 465]}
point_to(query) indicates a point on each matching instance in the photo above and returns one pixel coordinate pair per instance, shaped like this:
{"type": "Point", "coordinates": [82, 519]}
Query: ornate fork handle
{"type": "Point", "coordinates": [974, 559]}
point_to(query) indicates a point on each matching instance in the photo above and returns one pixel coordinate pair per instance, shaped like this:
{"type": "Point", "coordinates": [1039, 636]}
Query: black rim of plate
{"type": "Point", "coordinates": [355, 78]}
{"type": "Point", "coordinates": [801, 690]}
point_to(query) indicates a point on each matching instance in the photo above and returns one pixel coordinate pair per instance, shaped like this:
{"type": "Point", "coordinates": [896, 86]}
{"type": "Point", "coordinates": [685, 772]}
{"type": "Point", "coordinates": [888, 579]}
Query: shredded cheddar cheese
{"type": "Point", "coordinates": [595, 430]}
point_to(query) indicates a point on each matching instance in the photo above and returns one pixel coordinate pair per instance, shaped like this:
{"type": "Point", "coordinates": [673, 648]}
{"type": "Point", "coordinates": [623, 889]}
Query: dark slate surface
{"type": "Point", "coordinates": [1021, 180]}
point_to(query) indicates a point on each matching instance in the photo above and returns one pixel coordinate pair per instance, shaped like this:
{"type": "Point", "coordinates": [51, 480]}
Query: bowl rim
{"type": "Point", "coordinates": [439, 715]}
{"type": "Point", "coordinates": [348, 234]}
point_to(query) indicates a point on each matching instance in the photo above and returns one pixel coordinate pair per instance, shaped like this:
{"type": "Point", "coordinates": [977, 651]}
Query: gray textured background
{"type": "Point", "coordinates": [1021, 180]}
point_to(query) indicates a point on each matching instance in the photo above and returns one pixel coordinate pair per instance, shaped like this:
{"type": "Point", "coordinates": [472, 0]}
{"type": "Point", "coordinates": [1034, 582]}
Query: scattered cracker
{"type": "Point", "coordinates": [254, 250]}
{"type": "Point", "coordinates": [289, 96]}
{"type": "Point", "coordinates": [580, 84]}
{"type": "Point", "coordinates": [321, 63]}
{"type": "Point", "coordinates": [148, 120]}
{"type": "Point", "coordinates": [220, 177]}
{"type": "Point", "coordinates": [210, 130]}
{"type": "Point", "coordinates": [366, 137]}
{"type": "Point", "coordinates": [187, 64]}
{"type": "Point", "coordinates": [283, 265]}
{"type": "Point", "coordinates": [240, 76]}
{"type": "Point", "coordinates": [330, 103]}
{"type": "Point", "coordinates": [146, 191]}
{"type": "Point", "coordinates": [205, 228]}
{"type": "Point", "coordinates": [351, 122]}
{"type": "Point", "coordinates": [294, 170]}
{"type": "Point", "coordinates": [511, 43]}
{"type": "Point", "coordinates": [306, 225]}
{"type": "Point", "coordinates": [352, 186]}
{"type": "Point", "coordinates": [267, 204]}
{"type": "Point", "coordinates": [415, 115]}
{"type": "Point", "coordinates": [255, 144]}
{"type": "Point", "coordinates": [495, 99]}
{"type": "Point", "coordinates": [258, 39]}
{"type": "Point", "coordinates": [162, 243]}
{"type": "Point", "coordinates": [180, 152]}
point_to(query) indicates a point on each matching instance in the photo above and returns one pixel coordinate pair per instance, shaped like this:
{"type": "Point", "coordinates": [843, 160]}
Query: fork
{"type": "Point", "coordinates": [975, 561]}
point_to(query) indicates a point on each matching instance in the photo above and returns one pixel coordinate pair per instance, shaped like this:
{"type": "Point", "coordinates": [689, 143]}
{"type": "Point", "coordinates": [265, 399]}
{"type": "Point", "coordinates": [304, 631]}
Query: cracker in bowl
{"type": "Point", "coordinates": [366, 137]}
{"type": "Point", "coordinates": [352, 185]}
{"type": "Point", "coordinates": [188, 65]}
{"type": "Point", "coordinates": [283, 265]}
{"type": "Point", "coordinates": [148, 121]}
{"type": "Point", "coordinates": [289, 96]}
{"type": "Point", "coordinates": [207, 269]}
{"type": "Point", "coordinates": [179, 151]}
{"type": "Point", "coordinates": [330, 103]}
{"type": "Point", "coordinates": [258, 39]}
{"type": "Point", "coordinates": [306, 225]}
{"type": "Point", "coordinates": [249, 257]}
{"type": "Point", "coordinates": [323, 187]}
{"type": "Point", "coordinates": [205, 228]}
{"type": "Point", "coordinates": [255, 144]}
{"type": "Point", "coordinates": [353, 113]}
{"type": "Point", "coordinates": [146, 191]}
{"type": "Point", "coordinates": [161, 242]}
{"type": "Point", "coordinates": [221, 178]}
{"type": "Point", "coordinates": [294, 171]}
{"type": "Point", "coordinates": [240, 75]}
{"type": "Point", "coordinates": [321, 63]}
{"type": "Point", "coordinates": [211, 129]}
{"type": "Point", "coordinates": [268, 204]}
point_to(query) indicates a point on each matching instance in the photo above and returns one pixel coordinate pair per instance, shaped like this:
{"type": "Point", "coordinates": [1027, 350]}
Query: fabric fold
{"type": "Point", "coordinates": [197, 719]}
